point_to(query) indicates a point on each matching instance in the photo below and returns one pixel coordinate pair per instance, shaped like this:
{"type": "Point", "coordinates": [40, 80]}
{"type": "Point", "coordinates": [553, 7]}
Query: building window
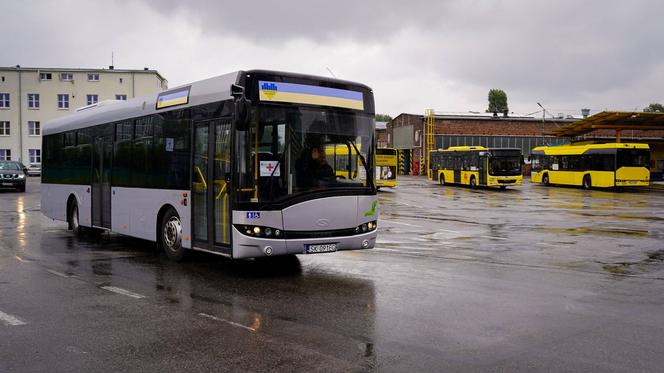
{"type": "Point", "coordinates": [34, 128]}
{"type": "Point", "coordinates": [4, 100]}
{"type": "Point", "coordinates": [35, 155]}
{"type": "Point", "coordinates": [121, 97]}
{"type": "Point", "coordinates": [45, 76]}
{"type": "Point", "coordinates": [93, 99]}
{"type": "Point", "coordinates": [5, 155]}
{"type": "Point", "coordinates": [4, 128]}
{"type": "Point", "coordinates": [33, 100]}
{"type": "Point", "coordinates": [94, 77]}
{"type": "Point", "coordinates": [66, 77]}
{"type": "Point", "coordinates": [63, 102]}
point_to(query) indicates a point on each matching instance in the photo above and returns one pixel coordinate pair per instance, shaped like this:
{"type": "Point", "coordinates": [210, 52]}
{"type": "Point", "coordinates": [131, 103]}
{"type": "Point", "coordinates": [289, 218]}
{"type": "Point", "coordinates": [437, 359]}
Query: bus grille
{"type": "Point", "coordinates": [320, 234]}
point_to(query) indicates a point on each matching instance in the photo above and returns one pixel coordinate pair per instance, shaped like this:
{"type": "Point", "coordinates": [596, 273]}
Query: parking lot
{"type": "Point", "coordinates": [528, 279]}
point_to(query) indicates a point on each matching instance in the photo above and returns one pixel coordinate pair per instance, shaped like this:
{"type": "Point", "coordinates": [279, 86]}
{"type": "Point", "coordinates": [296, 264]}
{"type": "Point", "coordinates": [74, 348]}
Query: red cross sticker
{"type": "Point", "coordinates": [270, 167]}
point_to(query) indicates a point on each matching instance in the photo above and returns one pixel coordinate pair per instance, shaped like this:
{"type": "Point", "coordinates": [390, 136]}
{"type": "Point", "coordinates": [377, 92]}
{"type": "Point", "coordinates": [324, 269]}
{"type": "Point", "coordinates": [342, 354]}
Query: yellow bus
{"type": "Point", "coordinates": [591, 165]}
{"type": "Point", "coordinates": [344, 167]}
{"type": "Point", "coordinates": [476, 166]}
{"type": "Point", "coordinates": [386, 167]}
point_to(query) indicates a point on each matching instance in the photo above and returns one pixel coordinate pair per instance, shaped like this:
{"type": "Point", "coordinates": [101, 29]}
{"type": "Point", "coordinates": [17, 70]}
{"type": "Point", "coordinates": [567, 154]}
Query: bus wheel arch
{"type": "Point", "coordinates": [169, 233]}
{"type": "Point", "coordinates": [73, 216]}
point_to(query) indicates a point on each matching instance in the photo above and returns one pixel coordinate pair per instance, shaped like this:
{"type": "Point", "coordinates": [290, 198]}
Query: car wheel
{"type": "Point", "coordinates": [170, 236]}
{"type": "Point", "coordinates": [587, 183]}
{"type": "Point", "coordinates": [22, 188]}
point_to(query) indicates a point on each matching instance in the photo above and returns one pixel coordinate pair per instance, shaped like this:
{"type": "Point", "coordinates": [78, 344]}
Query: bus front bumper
{"type": "Point", "coordinates": [252, 247]}
{"type": "Point", "coordinates": [505, 180]}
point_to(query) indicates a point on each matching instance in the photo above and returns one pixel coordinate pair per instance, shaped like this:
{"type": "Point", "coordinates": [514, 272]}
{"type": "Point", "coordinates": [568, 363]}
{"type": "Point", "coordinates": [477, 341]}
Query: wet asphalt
{"type": "Point", "coordinates": [527, 279]}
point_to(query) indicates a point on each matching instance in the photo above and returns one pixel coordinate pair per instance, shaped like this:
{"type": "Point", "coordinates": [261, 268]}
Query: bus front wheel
{"type": "Point", "coordinates": [545, 179]}
{"type": "Point", "coordinates": [473, 183]}
{"type": "Point", "coordinates": [587, 183]}
{"type": "Point", "coordinates": [170, 236]}
{"type": "Point", "coordinates": [441, 179]}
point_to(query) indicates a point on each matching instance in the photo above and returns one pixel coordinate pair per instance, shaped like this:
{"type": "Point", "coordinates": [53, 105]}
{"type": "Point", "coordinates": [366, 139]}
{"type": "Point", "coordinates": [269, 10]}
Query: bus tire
{"type": "Point", "coordinates": [587, 182]}
{"type": "Point", "coordinates": [441, 179]}
{"type": "Point", "coordinates": [169, 236]}
{"type": "Point", "coordinates": [545, 179]}
{"type": "Point", "coordinates": [473, 183]}
{"type": "Point", "coordinates": [73, 218]}
{"type": "Point", "coordinates": [503, 187]}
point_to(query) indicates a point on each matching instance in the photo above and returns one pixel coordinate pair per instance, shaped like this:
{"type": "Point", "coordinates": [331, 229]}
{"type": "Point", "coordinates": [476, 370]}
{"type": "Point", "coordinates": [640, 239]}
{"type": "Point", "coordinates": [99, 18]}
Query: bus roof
{"type": "Point", "coordinates": [201, 92]}
{"type": "Point", "coordinates": [580, 149]}
{"type": "Point", "coordinates": [463, 148]}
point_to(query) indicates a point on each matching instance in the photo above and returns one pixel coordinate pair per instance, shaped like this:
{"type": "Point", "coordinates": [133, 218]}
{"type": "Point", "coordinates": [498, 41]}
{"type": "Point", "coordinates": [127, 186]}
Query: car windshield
{"type": "Point", "coordinates": [296, 150]}
{"type": "Point", "coordinates": [9, 166]}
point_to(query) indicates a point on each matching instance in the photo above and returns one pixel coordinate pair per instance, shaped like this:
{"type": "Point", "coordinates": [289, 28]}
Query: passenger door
{"type": "Point", "coordinates": [101, 181]}
{"type": "Point", "coordinates": [211, 215]}
{"type": "Point", "coordinates": [482, 168]}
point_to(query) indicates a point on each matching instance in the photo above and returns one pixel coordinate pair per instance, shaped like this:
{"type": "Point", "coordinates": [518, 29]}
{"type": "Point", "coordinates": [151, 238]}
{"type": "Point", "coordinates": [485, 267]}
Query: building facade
{"type": "Point", "coordinates": [406, 132]}
{"type": "Point", "coordinates": [30, 97]}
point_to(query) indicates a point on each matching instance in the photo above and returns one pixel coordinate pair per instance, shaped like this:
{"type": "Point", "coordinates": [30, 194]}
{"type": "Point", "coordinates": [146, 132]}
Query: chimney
{"type": "Point", "coordinates": [111, 67]}
{"type": "Point", "coordinates": [585, 112]}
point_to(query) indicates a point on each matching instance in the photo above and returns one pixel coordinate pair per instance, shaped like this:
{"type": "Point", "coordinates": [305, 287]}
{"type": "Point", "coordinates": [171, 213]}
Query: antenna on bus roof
{"type": "Point", "coordinates": [331, 73]}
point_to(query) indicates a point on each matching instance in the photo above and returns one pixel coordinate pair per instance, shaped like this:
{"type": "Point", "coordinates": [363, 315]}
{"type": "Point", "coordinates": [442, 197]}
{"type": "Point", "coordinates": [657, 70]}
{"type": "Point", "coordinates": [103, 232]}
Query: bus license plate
{"type": "Point", "coordinates": [322, 248]}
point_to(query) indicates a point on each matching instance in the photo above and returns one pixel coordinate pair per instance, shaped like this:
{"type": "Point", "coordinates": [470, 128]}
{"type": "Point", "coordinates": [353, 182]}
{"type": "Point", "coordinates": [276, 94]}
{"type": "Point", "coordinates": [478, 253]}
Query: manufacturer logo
{"type": "Point", "coordinates": [323, 223]}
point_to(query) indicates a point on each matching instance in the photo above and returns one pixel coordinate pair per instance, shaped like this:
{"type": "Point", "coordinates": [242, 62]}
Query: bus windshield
{"type": "Point", "coordinates": [295, 150]}
{"type": "Point", "coordinates": [633, 158]}
{"type": "Point", "coordinates": [505, 163]}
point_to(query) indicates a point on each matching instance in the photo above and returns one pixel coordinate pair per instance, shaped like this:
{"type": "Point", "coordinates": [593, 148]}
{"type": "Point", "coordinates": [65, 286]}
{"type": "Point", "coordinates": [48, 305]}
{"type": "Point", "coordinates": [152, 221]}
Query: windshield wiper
{"type": "Point", "coordinates": [364, 161]}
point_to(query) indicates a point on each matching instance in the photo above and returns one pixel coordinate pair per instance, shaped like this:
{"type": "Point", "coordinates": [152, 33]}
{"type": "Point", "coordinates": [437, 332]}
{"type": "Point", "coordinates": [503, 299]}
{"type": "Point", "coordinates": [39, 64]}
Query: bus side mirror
{"type": "Point", "coordinates": [242, 112]}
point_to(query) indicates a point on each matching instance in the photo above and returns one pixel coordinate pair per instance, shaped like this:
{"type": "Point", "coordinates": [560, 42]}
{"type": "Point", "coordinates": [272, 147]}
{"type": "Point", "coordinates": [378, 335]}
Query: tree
{"type": "Point", "coordinates": [383, 118]}
{"type": "Point", "coordinates": [497, 101]}
{"type": "Point", "coordinates": [655, 107]}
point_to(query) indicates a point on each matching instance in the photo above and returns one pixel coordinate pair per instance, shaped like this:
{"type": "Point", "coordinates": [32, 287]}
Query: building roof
{"type": "Point", "coordinates": [612, 120]}
{"type": "Point", "coordinates": [82, 70]}
{"type": "Point", "coordinates": [490, 117]}
{"type": "Point", "coordinates": [381, 125]}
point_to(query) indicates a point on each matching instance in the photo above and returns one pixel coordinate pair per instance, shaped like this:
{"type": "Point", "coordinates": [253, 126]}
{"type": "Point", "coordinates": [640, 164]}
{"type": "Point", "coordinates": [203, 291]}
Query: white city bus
{"type": "Point", "coordinates": [233, 165]}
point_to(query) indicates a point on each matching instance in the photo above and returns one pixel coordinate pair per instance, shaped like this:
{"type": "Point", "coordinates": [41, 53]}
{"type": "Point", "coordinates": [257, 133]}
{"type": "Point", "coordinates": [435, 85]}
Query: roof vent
{"type": "Point", "coordinates": [146, 69]}
{"type": "Point", "coordinates": [111, 67]}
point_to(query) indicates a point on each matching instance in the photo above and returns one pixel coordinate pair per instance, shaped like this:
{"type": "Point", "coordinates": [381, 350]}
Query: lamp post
{"type": "Point", "coordinates": [543, 119]}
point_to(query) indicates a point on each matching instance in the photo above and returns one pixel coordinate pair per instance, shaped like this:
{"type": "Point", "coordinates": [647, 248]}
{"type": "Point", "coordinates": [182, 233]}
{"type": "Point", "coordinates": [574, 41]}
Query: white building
{"type": "Point", "coordinates": [30, 97]}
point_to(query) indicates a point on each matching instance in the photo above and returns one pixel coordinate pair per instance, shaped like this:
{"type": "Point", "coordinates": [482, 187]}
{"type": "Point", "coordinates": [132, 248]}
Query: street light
{"type": "Point", "coordinates": [543, 119]}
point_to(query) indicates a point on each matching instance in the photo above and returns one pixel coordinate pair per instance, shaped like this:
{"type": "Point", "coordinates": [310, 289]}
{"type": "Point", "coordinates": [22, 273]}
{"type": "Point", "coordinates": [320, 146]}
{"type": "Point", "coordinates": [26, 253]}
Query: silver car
{"type": "Point", "coordinates": [34, 169]}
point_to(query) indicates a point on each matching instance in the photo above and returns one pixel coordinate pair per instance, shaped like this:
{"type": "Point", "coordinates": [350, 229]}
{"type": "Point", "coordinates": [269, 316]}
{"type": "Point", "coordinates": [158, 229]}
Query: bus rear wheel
{"type": "Point", "coordinates": [441, 179]}
{"type": "Point", "coordinates": [170, 236]}
{"type": "Point", "coordinates": [473, 183]}
{"type": "Point", "coordinates": [587, 183]}
{"type": "Point", "coordinates": [73, 220]}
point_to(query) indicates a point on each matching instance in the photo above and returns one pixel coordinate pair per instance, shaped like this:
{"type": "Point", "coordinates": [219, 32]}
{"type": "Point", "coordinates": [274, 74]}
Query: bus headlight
{"type": "Point", "coordinates": [366, 227]}
{"type": "Point", "coordinates": [258, 231]}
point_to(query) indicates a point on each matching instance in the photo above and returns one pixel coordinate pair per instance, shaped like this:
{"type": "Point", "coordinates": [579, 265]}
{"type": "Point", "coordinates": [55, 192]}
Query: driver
{"type": "Point", "coordinates": [313, 167]}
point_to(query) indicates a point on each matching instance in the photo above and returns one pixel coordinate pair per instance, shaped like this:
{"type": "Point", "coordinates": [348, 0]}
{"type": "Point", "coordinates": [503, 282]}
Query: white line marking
{"type": "Point", "coordinates": [10, 320]}
{"type": "Point", "coordinates": [123, 292]}
{"type": "Point", "coordinates": [396, 222]}
{"type": "Point", "coordinates": [20, 259]}
{"type": "Point", "coordinates": [226, 321]}
{"type": "Point", "coordinates": [493, 238]}
{"type": "Point", "coordinates": [545, 244]}
{"type": "Point", "coordinates": [59, 274]}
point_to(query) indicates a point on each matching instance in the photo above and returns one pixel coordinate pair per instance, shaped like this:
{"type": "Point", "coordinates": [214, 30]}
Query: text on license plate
{"type": "Point", "coordinates": [321, 248]}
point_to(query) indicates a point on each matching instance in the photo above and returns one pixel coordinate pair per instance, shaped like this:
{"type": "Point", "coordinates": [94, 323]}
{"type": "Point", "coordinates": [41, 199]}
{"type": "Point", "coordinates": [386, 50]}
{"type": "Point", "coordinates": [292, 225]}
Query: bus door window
{"type": "Point", "coordinates": [222, 171]}
{"type": "Point", "coordinates": [200, 183]}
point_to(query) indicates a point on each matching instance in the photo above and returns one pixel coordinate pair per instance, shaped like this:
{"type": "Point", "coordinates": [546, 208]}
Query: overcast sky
{"type": "Point", "coordinates": [444, 55]}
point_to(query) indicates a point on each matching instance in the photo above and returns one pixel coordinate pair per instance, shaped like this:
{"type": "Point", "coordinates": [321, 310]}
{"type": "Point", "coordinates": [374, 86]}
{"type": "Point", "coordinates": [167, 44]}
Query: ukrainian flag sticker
{"type": "Point", "coordinates": [310, 94]}
{"type": "Point", "coordinates": [176, 97]}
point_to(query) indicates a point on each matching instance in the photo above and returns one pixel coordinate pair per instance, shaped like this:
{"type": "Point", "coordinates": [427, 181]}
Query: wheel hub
{"type": "Point", "coordinates": [172, 233]}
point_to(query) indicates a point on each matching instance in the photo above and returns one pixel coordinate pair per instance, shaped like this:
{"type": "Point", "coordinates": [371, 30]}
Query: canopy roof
{"type": "Point", "coordinates": [612, 120]}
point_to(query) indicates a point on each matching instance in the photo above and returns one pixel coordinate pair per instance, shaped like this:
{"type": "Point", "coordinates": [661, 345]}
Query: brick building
{"type": "Point", "coordinates": [406, 132]}
{"type": "Point", "coordinates": [381, 134]}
